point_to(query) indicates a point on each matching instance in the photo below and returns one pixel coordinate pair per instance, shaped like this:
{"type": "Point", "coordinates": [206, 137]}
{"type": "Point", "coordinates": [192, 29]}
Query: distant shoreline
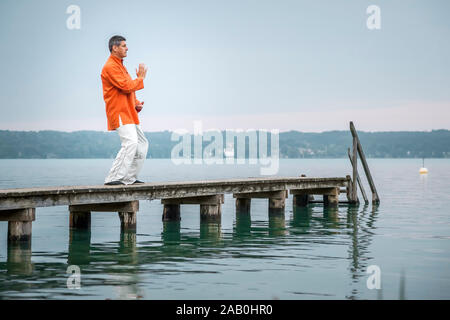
{"type": "Point", "coordinates": [292, 144]}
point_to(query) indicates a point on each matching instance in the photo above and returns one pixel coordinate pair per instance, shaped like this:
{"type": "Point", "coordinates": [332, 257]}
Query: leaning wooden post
{"type": "Point", "coordinates": [355, 170]}
{"type": "Point", "coordinates": [359, 180]}
{"type": "Point", "coordinates": [375, 198]}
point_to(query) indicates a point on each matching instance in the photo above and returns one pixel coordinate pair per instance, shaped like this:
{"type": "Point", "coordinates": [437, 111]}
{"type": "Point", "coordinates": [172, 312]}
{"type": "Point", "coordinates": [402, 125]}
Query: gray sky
{"type": "Point", "coordinates": [287, 65]}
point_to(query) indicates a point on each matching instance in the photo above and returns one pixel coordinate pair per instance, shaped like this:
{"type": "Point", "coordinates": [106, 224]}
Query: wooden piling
{"type": "Point", "coordinates": [171, 212]}
{"type": "Point", "coordinates": [375, 197]}
{"type": "Point", "coordinates": [301, 200]}
{"type": "Point", "coordinates": [19, 223]}
{"type": "Point", "coordinates": [243, 205]}
{"type": "Point", "coordinates": [80, 220]}
{"type": "Point", "coordinates": [358, 179]}
{"type": "Point", "coordinates": [210, 212]}
{"type": "Point", "coordinates": [127, 220]}
{"type": "Point", "coordinates": [355, 170]}
{"type": "Point", "coordinates": [331, 199]}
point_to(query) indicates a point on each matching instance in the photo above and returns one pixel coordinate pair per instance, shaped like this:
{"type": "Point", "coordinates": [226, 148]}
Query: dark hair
{"type": "Point", "coordinates": [115, 41]}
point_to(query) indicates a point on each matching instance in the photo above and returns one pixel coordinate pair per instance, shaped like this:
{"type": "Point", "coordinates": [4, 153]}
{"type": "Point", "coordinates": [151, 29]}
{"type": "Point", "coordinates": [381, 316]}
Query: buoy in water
{"type": "Point", "coordinates": [423, 170]}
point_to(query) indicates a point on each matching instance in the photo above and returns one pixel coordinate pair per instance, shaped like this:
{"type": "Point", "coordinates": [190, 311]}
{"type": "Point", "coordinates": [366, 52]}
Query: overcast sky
{"type": "Point", "coordinates": [287, 65]}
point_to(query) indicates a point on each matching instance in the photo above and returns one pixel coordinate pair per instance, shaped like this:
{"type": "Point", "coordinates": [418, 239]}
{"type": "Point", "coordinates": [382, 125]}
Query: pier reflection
{"type": "Point", "coordinates": [123, 262]}
{"type": "Point", "coordinates": [19, 258]}
{"type": "Point", "coordinates": [79, 247]}
{"type": "Point", "coordinates": [360, 224]}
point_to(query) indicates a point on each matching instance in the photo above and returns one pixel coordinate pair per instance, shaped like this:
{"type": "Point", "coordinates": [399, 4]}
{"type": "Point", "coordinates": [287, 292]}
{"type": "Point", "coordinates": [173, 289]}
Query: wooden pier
{"type": "Point", "coordinates": [18, 206]}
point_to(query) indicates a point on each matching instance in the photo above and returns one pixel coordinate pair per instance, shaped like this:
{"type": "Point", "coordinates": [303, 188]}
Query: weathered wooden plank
{"type": "Point", "coordinates": [263, 195]}
{"type": "Point", "coordinates": [214, 199]}
{"type": "Point", "coordinates": [322, 191]}
{"type": "Point", "coordinates": [128, 206]}
{"type": "Point", "coordinates": [27, 214]}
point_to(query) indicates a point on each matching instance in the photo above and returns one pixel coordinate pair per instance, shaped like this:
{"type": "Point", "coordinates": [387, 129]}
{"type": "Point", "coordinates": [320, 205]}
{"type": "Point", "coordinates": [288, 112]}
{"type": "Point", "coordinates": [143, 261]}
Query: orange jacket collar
{"type": "Point", "coordinates": [116, 59]}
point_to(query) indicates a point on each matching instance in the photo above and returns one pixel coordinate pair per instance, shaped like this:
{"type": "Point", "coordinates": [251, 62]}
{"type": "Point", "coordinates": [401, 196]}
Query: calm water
{"type": "Point", "coordinates": [307, 254]}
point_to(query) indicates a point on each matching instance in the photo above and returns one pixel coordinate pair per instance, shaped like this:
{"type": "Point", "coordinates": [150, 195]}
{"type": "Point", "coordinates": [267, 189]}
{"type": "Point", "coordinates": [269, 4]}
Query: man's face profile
{"type": "Point", "coordinates": [121, 50]}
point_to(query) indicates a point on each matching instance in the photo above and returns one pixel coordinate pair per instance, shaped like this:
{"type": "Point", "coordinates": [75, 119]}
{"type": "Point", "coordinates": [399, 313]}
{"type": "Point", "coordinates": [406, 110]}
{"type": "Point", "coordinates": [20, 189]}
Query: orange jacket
{"type": "Point", "coordinates": [118, 93]}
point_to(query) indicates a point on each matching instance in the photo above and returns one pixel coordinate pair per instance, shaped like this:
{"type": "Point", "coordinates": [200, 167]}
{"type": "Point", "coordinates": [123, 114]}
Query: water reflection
{"type": "Point", "coordinates": [277, 225]}
{"type": "Point", "coordinates": [79, 247]}
{"type": "Point", "coordinates": [210, 232]}
{"type": "Point", "coordinates": [360, 225]}
{"type": "Point", "coordinates": [19, 258]}
{"type": "Point", "coordinates": [171, 233]}
{"type": "Point", "coordinates": [122, 263]}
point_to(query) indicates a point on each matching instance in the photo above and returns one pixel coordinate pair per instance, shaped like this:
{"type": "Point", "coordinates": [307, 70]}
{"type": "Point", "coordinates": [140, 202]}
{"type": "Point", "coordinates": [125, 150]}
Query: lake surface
{"type": "Point", "coordinates": [306, 254]}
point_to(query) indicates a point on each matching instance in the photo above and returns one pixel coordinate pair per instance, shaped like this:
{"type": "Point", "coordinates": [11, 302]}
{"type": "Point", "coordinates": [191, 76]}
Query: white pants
{"type": "Point", "coordinates": [132, 154]}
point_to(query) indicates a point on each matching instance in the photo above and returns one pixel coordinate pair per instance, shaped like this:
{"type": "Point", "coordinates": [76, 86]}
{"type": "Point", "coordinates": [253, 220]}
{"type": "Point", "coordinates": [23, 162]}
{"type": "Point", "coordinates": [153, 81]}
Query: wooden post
{"type": "Point", "coordinates": [171, 212]}
{"type": "Point", "coordinates": [277, 202]}
{"type": "Point", "coordinates": [359, 180]}
{"type": "Point", "coordinates": [19, 223]}
{"type": "Point", "coordinates": [349, 191]}
{"type": "Point", "coordinates": [80, 220]}
{"type": "Point", "coordinates": [375, 197]}
{"type": "Point", "coordinates": [331, 200]}
{"type": "Point", "coordinates": [243, 205]}
{"type": "Point", "coordinates": [300, 200]}
{"type": "Point", "coordinates": [355, 170]}
{"type": "Point", "coordinates": [127, 220]}
{"type": "Point", "coordinates": [210, 212]}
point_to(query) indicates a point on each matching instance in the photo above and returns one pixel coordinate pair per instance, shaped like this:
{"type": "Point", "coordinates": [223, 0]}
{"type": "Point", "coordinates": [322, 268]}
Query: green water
{"type": "Point", "coordinates": [311, 253]}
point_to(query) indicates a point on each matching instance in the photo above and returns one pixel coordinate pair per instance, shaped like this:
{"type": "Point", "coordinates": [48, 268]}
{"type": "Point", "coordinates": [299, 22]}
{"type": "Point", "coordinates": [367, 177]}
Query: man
{"type": "Point", "coordinates": [122, 109]}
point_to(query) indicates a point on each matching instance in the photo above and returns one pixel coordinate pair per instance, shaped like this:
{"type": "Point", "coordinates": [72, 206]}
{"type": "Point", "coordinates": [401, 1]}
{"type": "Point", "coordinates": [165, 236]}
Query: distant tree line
{"type": "Point", "coordinates": [293, 144]}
